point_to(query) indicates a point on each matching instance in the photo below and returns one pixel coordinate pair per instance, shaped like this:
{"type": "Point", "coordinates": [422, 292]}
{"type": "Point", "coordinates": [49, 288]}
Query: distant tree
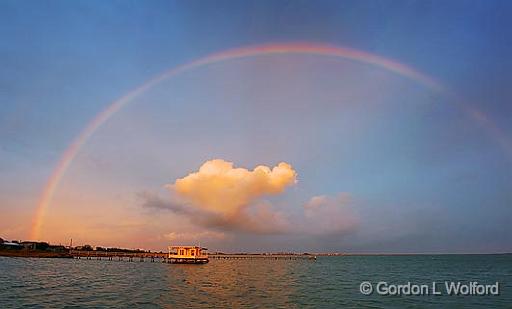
{"type": "Point", "coordinates": [100, 249]}
{"type": "Point", "coordinates": [86, 248]}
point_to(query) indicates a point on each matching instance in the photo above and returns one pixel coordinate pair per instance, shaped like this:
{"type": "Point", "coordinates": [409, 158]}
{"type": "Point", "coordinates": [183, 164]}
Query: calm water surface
{"type": "Point", "coordinates": [330, 282]}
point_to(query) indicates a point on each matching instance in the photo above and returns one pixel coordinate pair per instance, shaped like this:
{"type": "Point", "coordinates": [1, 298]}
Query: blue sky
{"type": "Point", "coordinates": [422, 177]}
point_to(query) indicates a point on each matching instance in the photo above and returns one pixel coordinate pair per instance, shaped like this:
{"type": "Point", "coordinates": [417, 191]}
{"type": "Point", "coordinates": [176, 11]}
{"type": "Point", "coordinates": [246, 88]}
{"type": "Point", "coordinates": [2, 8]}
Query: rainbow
{"type": "Point", "coordinates": [257, 50]}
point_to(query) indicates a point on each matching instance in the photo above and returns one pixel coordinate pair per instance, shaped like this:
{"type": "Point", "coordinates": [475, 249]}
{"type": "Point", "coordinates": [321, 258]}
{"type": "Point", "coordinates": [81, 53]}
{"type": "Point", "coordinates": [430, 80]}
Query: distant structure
{"type": "Point", "coordinates": [187, 254]}
{"type": "Point", "coordinates": [17, 248]}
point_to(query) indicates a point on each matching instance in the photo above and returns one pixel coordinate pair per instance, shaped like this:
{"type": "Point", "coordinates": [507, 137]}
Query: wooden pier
{"type": "Point", "coordinates": [164, 257]}
{"type": "Point", "coordinates": [119, 256]}
{"type": "Point", "coordinates": [263, 256]}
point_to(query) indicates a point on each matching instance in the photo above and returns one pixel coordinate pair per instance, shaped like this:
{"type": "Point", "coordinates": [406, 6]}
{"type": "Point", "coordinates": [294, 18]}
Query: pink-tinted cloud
{"type": "Point", "coordinates": [194, 237]}
{"type": "Point", "coordinates": [325, 215]}
{"type": "Point", "coordinates": [221, 196]}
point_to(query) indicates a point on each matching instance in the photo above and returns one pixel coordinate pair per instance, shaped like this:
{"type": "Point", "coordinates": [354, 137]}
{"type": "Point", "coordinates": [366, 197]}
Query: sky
{"type": "Point", "coordinates": [269, 152]}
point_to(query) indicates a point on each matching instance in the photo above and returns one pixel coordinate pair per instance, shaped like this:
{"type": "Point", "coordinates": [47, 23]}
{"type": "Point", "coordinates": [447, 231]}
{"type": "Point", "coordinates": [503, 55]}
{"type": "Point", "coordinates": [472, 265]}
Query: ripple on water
{"type": "Point", "coordinates": [330, 282]}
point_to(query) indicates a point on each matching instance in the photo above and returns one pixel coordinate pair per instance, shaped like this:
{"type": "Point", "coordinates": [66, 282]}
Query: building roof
{"type": "Point", "coordinates": [188, 247]}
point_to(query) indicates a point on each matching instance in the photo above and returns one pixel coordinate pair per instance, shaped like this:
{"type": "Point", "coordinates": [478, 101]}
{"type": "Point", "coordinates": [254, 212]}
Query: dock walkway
{"type": "Point", "coordinates": [163, 257]}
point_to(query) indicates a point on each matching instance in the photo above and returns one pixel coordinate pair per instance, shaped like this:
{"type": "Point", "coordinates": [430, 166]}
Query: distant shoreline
{"type": "Point", "coordinates": [39, 249]}
{"type": "Point", "coordinates": [34, 254]}
{"type": "Point", "coordinates": [363, 254]}
{"type": "Point", "coordinates": [409, 254]}
{"type": "Point", "coordinates": [46, 254]}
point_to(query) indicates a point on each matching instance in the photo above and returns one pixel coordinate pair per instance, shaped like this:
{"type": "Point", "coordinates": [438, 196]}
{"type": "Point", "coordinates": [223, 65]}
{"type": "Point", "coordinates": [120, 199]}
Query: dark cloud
{"type": "Point", "coordinates": [154, 201]}
{"type": "Point", "coordinates": [241, 221]}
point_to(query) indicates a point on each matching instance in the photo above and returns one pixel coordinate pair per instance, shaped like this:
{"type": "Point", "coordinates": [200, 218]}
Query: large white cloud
{"type": "Point", "coordinates": [221, 198]}
{"type": "Point", "coordinates": [226, 197]}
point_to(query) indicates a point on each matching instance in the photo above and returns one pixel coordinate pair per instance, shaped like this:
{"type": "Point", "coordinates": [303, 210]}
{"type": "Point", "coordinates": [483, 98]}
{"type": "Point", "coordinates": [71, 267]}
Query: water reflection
{"type": "Point", "coordinates": [236, 283]}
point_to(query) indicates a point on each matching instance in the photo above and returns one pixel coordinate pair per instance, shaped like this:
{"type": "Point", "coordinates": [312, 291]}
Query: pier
{"type": "Point", "coordinates": [164, 256]}
{"type": "Point", "coordinates": [263, 256]}
{"type": "Point", "coordinates": [119, 256]}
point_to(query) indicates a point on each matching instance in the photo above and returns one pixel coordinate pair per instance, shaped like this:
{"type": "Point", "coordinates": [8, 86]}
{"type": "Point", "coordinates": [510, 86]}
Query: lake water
{"type": "Point", "coordinates": [330, 282]}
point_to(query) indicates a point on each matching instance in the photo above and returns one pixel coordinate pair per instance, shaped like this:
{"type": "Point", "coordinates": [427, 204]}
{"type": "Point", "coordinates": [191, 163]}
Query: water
{"type": "Point", "coordinates": [330, 282]}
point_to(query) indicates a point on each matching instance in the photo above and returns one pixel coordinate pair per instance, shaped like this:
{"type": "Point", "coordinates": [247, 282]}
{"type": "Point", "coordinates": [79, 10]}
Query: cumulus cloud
{"type": "Point", "coordinates": [219, 187]}
{"type": "Point", "coordinates": [221, 196]}
{"type": "Point", "coordinates": [325, 215]}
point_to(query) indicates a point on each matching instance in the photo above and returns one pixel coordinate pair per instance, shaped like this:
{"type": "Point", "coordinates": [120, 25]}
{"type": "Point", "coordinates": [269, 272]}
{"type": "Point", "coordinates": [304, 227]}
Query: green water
{"type": "Point", "coordinates": [330, 282]}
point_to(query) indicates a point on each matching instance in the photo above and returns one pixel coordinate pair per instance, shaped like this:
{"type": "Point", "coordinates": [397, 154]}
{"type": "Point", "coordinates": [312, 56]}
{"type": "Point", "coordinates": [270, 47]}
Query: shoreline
{"type": "Point", "coordinates": [35, 254]}
{"type": "Point", "coordinates": [45, 254]}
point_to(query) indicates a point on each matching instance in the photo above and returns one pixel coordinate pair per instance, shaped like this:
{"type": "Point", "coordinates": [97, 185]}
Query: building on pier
{"type": "Point", "coordinates": [187, 254]}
